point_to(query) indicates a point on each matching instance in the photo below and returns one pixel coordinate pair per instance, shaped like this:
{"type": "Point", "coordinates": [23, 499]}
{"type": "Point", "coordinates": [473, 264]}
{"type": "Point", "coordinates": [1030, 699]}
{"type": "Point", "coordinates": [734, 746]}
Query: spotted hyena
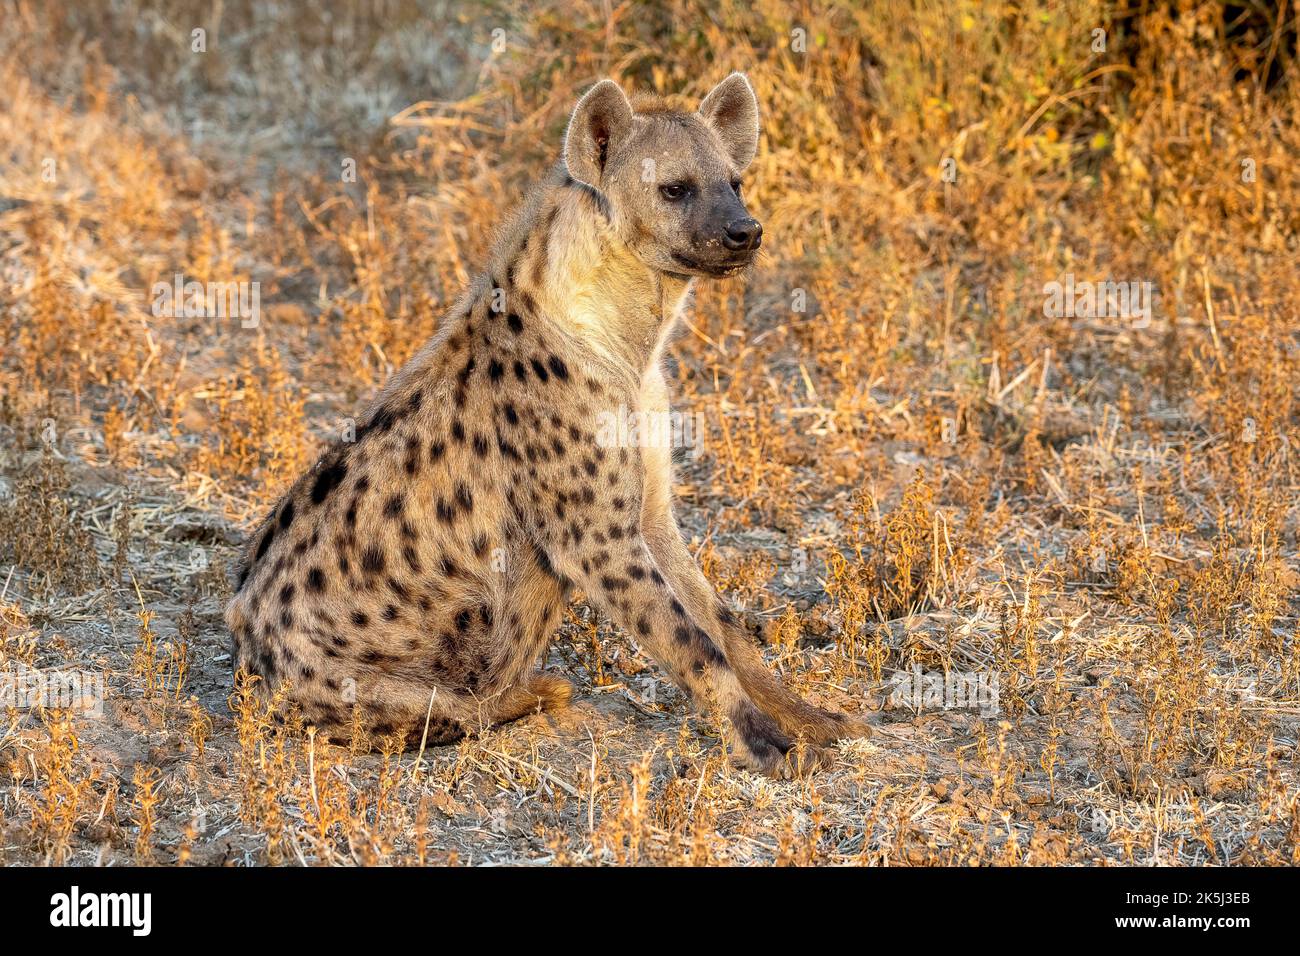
{"type": "Point", "coordinates": [419, 571]}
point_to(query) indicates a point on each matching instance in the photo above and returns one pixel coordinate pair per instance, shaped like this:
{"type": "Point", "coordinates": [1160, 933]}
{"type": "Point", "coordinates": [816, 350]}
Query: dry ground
{"type": "Point", "coordinates": [905, 462]}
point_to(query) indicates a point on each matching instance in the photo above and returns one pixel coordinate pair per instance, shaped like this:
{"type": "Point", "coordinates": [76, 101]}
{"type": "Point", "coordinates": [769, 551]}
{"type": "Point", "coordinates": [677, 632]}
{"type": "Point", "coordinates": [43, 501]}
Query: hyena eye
{"type": "Point", "coordinates": [735, 186]}
{"type": "Point", "coordinates": [674, 191]}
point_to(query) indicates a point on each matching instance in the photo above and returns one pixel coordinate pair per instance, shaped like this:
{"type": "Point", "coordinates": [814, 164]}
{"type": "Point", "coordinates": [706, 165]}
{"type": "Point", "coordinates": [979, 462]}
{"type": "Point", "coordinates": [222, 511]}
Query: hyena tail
{"type": "Point", "coordinates": [533, 694]}
{"type": "Point", "coordinates": [537, 693]}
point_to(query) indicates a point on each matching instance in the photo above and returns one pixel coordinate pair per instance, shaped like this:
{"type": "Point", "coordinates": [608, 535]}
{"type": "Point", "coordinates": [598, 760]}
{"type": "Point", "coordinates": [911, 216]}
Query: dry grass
{"type": "Point", "coordinates": [907, 463]}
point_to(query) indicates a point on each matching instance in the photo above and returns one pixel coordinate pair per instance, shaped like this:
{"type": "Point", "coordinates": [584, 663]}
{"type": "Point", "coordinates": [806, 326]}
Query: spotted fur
{"type": "Point", "coordinates": [419, 571]}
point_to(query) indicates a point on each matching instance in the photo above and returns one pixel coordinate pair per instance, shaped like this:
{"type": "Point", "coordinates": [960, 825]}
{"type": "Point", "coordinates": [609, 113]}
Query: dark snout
{"type": "Point", "coordinates": [743, 234]}
{"type": "Point", "coordinates": [725, 238]}
{"type": "Point", "coordinates": [738, 230]}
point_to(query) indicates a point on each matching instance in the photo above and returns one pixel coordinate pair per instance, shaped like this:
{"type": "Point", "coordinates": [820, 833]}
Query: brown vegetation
{"type": "Point", "coordinates": [907, 463]}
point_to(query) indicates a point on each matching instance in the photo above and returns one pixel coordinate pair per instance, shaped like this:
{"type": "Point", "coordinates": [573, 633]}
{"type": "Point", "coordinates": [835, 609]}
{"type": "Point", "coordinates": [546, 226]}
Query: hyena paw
{"type": "Point", "coordinates": [764, 749]}
{"type": "Point", "coordinates": [819, 726]}
{"type": "Point", "coordinates": [832, 725]}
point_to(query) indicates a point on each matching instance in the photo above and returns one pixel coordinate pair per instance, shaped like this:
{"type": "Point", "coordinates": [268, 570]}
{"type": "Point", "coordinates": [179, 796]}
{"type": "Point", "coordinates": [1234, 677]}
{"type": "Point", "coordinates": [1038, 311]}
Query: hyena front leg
{"type": "Point", "coordinates": [794, 714]}
{"type": "Point", "coordinates": [622, 579]}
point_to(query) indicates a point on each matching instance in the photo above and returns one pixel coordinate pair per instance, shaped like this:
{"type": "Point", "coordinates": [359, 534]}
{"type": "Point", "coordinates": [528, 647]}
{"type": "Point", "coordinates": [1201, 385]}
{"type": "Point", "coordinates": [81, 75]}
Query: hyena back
{"type": "Point", "coordinates": [420, 570]}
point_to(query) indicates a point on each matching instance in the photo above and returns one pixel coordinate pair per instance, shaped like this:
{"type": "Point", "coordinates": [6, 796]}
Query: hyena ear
{"type": "Point", "coordinates": [601, 118]}
{"type": "Point", "coordinates": [731, 108]}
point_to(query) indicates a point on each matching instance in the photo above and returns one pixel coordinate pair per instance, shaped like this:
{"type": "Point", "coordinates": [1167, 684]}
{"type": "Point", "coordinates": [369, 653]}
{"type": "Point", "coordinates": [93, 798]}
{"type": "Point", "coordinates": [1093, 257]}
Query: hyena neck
{"type": "Point", "coordinates": [564, 255]}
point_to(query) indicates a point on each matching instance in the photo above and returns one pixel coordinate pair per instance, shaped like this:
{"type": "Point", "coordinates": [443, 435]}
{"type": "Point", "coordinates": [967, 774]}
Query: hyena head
{"type": "Point", "coordinates": [671, 179]}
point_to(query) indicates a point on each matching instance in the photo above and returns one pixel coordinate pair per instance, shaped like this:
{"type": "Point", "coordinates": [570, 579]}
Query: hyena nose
{"type": "Point", "coordinates": [744, 234]}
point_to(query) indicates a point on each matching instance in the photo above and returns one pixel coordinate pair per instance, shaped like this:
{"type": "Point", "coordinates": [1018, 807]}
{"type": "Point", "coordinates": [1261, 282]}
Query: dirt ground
{"type": "Point", "coordinates": [906, 469]}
